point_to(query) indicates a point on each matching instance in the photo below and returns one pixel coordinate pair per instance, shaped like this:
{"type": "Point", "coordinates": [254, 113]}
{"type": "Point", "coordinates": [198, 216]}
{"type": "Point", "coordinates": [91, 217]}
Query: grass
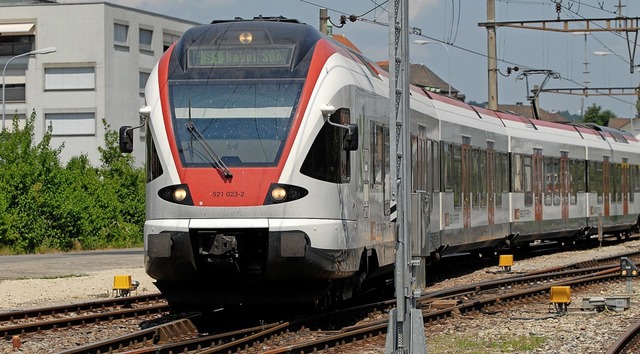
{"type": "Point", "coordinates": [469, 344]}
{"type": "Point", "coordinates": [63, 276]}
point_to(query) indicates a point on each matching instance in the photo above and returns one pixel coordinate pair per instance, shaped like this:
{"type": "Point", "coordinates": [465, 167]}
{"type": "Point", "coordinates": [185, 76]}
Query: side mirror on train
{"type": "Point", "coordinates": [351, 138]}
{"type": "Point", "coordinates": [343, 116]}
{"type": "Point", "coordinates": [126, 139]}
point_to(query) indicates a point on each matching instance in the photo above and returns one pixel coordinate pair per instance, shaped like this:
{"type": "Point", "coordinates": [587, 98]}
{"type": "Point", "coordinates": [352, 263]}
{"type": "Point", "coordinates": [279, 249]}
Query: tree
{"type": "Point", "coordinates": [595, 114]}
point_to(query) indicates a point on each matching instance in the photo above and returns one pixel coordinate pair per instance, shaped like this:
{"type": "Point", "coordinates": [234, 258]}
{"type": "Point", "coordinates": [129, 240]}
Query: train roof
{"type": "Point", "coordinates": [259, 18]}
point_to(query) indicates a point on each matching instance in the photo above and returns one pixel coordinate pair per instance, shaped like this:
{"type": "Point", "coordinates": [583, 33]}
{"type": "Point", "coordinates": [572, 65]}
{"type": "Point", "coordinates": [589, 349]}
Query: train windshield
{"type": "Point", "coordinates": [245, 123]}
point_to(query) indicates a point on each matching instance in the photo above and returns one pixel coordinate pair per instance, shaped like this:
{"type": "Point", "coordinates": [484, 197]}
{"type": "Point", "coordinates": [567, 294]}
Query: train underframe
{"type": "Point", "coordinates": [245, 266]}
{"type": "Point", "coordinates": [619, 227]}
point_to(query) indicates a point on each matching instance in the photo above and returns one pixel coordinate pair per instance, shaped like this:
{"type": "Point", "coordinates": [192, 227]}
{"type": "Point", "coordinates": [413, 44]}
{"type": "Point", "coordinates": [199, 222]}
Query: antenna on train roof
{"type": "Point", "coordinates": [260, 18]}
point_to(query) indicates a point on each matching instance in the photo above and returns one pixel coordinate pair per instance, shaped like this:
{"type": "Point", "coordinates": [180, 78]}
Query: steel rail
{"type": "Point", "coordinates": [627, 340]}
{"type": "Point", "coordinates": [80, 320]}
{"type": "Point", "coordinates": [79, 307]}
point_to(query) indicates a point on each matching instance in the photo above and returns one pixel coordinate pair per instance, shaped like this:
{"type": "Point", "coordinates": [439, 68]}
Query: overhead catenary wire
{"type": "Point", "coordinates": [418, 33]}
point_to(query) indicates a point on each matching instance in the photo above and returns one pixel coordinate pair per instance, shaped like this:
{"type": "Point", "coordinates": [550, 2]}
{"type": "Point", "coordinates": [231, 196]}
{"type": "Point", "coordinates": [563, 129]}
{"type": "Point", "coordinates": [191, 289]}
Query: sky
{"type": "Point", "coordinates": [463, 63]}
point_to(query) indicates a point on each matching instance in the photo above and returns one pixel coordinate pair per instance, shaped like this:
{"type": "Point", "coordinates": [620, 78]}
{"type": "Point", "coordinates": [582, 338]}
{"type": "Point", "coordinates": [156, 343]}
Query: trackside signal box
{"type": "Point", "coordinates": [505, 262]}
{"type": "Point", "coordinates": [560, 298]}
{"type": "Point", "coordinates": [123, 285]}
{"type": "Point", "coordinates": [627, 268]}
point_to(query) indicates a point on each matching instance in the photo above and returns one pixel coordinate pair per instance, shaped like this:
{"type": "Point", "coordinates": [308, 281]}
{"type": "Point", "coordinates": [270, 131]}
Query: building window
{"type": "Point", "coordinates": [121, 34]}
{"type": "Point", "coordinates": [16, 45]}
{"type": "Point", "coordinates": [142, 80]}
{"type": "Point", "coordinates": [168, 39]}
{"type": "Point", "coordinates": [63, 124]}
{"type": "Point", "coordinates": [73, 78]}
{"type": "Point", "coordinates": [14, 93]}
{"type": "Point", "coordinates": [145, 39]}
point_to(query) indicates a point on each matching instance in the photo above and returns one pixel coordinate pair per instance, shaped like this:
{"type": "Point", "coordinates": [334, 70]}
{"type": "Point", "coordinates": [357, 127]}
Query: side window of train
{"type": "Point", "coordinates": [596, 179]}
{"type": "Point", "coordinates": [420, 159]}
{"type": "Point", "coordinates": [483, 178]}
{"type": "Point", "coordinates": [576, 179]}
{"type": "Point", "coordinates": [549, 180]}
{"type": "Point", "coordinates": [616, 183]}
{"type": "Point", "coordinates": [435, 165]}
{"type": "Point", "coordinates": [528, 179]}
{"type": "Point", "coordinates": [154, 168]}
{"type": "Point", "coordinates": [381, 167]}
{"type": "Point", "coordinates": [476, 177]}
{"type": "Point", "coordinates": [456, 173]}
{"type": "Point", "coordinates": [414, 163]}
{"type": "Point", "coordinates": [517, 174]}
{"type": "Point", "coordinates": [447, 165]}
{"type": "Point", "coordinates": [498, 170]}
{"type": "Point", "coordinates": [635, 177]}
{"type": "Point", "coordinates": [327, 159]}
{"type": "Point", "coordinates": [502, 176]}
{"type": "Point", "coordinates": [377, 149]}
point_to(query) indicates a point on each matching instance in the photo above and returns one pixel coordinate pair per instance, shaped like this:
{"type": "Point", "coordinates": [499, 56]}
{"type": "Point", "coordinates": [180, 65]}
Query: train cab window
{"type": "Point", "coordinates": [154, 167]}
{"type": "Point", "coordinates": [328, 160]}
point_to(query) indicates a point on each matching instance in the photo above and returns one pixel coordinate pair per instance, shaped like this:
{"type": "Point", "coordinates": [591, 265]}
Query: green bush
{"type": "Point", "coordinates": [48, 206]}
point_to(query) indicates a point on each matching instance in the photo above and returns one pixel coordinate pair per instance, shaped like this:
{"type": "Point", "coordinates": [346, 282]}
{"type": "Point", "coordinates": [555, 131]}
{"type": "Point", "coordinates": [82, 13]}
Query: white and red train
{"type": "Point", "coordinates": [268, 170]}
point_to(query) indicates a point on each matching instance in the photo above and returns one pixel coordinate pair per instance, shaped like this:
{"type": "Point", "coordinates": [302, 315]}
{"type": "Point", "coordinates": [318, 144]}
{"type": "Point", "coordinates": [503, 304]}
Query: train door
{"type": "Point", "coordinates": [564, 184]}
{"type": "Point", "coordinates": [491, 184]}
{"type": "Point", "coordinates": [606, 177]}
{"type": "Point", "coordinates": [625, 186]}
{"type": "Point", "coordinates": [538, 182]}
{"type": "Point", "coordinates": [365, 189]}
{"type": "Point", "coordinates": [466, 181]}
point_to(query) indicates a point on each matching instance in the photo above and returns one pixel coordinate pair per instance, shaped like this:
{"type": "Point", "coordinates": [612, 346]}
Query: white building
{"type": "Point", "coordinates": [104, 55]}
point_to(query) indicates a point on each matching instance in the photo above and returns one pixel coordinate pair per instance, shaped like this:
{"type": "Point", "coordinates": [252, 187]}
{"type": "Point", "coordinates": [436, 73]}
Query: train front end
{"type": "Point", "coordinates": [229, 217]}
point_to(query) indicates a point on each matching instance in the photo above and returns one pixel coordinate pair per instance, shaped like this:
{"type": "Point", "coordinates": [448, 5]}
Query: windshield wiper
{"type": "Point", "coordinates": [207, 148]}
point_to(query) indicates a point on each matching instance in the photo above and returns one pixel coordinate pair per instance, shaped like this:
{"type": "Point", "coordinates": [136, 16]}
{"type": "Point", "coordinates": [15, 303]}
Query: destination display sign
{"type": "Point", "coordinates": [240, 56]}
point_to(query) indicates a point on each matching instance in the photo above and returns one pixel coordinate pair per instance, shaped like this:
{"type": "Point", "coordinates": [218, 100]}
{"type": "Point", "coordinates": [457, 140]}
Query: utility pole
{"type": "Point", "coordinates": [405, 333]}
{"type": "Point", "coordinates": [628, 25]}
{"type": "Point", "coordinates": [323, 21]}
{"type": "Point", "coordinates": [492, 53]}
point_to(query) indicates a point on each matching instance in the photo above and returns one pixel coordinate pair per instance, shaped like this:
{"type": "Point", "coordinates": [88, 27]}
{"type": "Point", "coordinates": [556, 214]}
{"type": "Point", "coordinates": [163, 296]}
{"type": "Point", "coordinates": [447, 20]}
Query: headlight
{"type": "Point", "coordinates": [284, 193]}
{"type": "Point", "coordinates": [278, 194]}
{"type": "Point", "coordinates": [179, 194]}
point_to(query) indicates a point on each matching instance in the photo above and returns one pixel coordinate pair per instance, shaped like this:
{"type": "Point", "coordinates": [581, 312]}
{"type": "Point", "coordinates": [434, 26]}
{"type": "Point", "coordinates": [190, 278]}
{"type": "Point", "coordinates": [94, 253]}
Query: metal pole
{"type": "Point", "coordinates": [405, 332]}
{"type": "Point", "coordinates": [37, 51]}
{"type": "Point", "coordinates": [492, 53]}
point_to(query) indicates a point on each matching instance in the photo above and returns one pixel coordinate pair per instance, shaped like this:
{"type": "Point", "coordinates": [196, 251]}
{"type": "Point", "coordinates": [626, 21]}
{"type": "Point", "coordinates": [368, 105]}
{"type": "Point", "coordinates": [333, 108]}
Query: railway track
{"type": "Point", "coordinates": [628, 342]}
{"type": "Point", "coordinates": [57, 317]}
{"type": "Point", "coordinates": [280, 337]}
